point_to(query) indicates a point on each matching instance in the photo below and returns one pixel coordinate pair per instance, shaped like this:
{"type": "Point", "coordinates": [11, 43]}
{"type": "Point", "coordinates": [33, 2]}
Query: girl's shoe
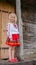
{"type": "Point", "coordinates": [13, 60]}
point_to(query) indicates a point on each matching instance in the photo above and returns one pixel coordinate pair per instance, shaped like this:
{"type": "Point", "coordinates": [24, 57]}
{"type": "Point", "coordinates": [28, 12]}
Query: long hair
{"type": "Point", "coordinates": [13, 14]}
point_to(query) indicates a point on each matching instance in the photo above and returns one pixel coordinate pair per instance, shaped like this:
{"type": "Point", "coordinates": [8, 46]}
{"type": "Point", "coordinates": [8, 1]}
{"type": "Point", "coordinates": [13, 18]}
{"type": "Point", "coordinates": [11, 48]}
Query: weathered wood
{"type": "Point", "coordinates": [3, 62]}
{"type": "Point", "coordinates": [18, 12]}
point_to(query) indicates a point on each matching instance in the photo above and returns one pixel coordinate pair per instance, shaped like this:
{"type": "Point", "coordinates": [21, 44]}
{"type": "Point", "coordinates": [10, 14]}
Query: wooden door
{"type": "Point", "coordinates": [4, 22]}
{"type": "Point", "coordinates": [4, 52]}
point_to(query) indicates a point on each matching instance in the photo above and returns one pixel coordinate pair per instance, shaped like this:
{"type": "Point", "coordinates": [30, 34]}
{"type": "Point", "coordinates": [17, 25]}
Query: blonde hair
{"type": "Point", "coordinates": [13, 14]}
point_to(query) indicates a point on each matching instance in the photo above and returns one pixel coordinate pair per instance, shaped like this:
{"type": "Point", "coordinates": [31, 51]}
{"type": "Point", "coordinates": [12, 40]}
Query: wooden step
{"type": "Point", "coordinates": [3, 62]}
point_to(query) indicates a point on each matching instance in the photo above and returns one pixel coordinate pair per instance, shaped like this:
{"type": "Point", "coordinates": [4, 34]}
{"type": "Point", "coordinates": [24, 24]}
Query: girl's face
{"type": "Point", "coordinates": [12, 18]}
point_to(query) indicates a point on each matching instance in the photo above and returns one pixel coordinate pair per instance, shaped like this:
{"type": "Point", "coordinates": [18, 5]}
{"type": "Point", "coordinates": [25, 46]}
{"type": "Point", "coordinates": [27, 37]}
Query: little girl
{"type": "Point", "coordinates": [12, 36]}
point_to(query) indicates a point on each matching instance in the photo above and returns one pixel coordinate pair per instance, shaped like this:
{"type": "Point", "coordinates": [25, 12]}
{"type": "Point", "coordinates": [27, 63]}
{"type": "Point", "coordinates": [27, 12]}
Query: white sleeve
{"type": "Point", "coordinates": [8, 30]}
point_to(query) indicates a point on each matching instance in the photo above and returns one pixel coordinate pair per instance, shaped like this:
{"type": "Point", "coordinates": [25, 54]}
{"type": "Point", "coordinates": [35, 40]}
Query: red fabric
{"type": "Point", "coordinates": [7, 40]}
{"type": "Point", "coordinates": [15, 25]}
{"type": "Point", "coordinates": [15, 36]}
{"type": "Point", "coordinates": [13, 60]}
{"type": "Point", "coordinates": [13, 44]}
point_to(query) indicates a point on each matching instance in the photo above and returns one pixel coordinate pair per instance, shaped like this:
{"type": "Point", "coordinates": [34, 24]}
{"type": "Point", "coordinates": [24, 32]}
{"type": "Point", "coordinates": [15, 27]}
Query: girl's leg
{"type": "Point", "coordinates": [13, 52]}
{"type": "Point", "coordinates": [10, 53]}
{"type": "Point", "coordinates": [13, 55]}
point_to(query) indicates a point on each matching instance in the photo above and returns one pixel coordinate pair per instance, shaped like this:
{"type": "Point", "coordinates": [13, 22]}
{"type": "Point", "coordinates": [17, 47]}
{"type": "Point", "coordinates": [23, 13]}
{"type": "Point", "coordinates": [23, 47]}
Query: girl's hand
{"type": "Point", "coordinates": [10, 39]}
{"type": "Point", "coordinates": [22, 23]}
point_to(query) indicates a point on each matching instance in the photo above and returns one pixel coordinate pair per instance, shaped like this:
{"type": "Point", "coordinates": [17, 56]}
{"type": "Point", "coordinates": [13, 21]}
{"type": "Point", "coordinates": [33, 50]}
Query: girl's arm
{"type": "Point", "coordinates": [8, 31]}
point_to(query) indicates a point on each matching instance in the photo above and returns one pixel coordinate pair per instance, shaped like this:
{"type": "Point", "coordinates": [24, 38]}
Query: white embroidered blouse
{"type": "Point", "coordinates": [11, 29]}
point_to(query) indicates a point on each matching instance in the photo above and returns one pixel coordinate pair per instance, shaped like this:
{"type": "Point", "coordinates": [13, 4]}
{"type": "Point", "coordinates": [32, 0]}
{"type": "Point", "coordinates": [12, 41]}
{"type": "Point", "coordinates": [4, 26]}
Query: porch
{"type": "Point", "coordinates": [3, 62]}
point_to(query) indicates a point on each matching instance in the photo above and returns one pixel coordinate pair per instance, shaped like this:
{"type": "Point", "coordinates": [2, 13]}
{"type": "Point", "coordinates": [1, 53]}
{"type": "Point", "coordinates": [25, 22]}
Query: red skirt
{"type": "Point", "coordinates": [15, 37]}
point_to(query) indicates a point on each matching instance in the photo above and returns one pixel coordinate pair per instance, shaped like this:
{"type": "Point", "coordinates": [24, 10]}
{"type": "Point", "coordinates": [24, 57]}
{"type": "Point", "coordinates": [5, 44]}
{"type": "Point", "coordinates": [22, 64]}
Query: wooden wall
{"type": "Point", "coordinates": [29, 34]}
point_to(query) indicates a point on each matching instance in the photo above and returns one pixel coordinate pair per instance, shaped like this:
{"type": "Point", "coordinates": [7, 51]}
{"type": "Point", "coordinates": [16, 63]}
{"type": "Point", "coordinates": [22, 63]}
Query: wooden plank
{"type": "Point", "coordinates": [3, 62]}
